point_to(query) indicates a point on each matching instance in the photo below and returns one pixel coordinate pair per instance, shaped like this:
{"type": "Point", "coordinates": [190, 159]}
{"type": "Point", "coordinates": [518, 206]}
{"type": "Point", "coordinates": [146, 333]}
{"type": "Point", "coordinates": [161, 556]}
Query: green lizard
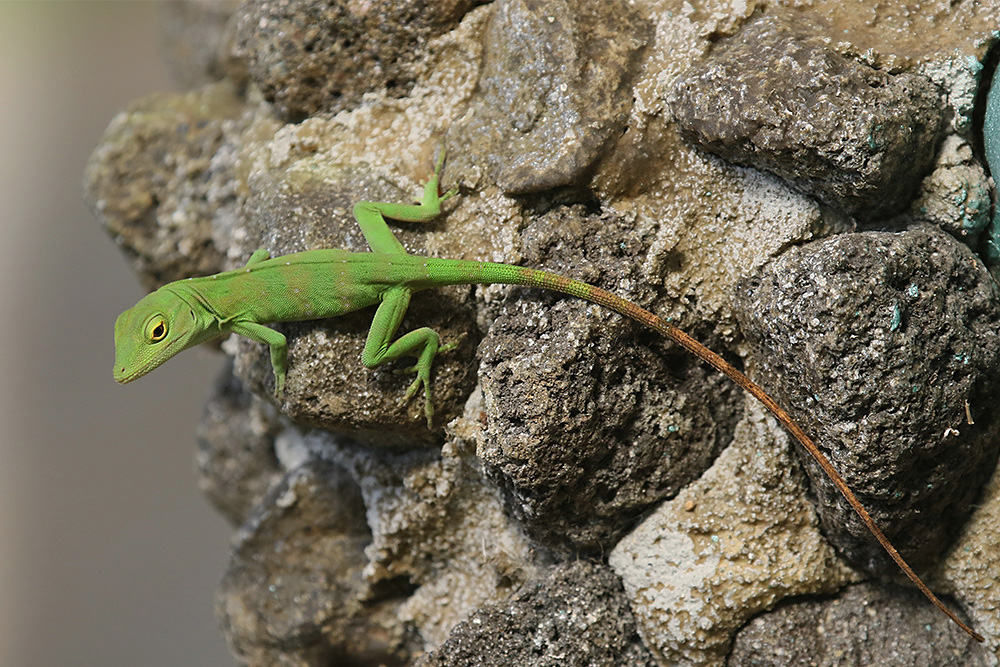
{"type": "Point", "coordinates": [318, 284]}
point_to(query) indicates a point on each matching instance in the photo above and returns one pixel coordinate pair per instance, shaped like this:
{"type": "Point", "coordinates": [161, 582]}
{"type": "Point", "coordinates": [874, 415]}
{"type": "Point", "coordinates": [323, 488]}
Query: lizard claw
{"type": "Point", "coordinates": [448, 347]}
{"type": "Point", "coordinates": [412, 390]}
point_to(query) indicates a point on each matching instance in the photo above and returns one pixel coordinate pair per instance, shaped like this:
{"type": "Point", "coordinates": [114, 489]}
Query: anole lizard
{"type": "Point", "coordinates": [319, 284]}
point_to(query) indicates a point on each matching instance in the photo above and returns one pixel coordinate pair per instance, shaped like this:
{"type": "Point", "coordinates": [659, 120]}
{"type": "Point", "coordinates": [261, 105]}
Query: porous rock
{"type": "Point", "coordinates": [236, 461]}
{"type": "Point", "coordinates": [299, 203]}
{"type": "Point", "coordinates": [162, 182]}
{"type": "Point", "coordinates": [734, 543]}
{"type": "Point", "coordinates": [778, 98]}
{"type": "Point", "coordinates": [441, 542]}
{"type": "Point", "coordinates": [956, 195]}
{"type": "Point", "coordinates": [554, 91]}
{"type": "Point", "coordinates": [196, 41]}
{"type": "Point", "coordinates": [574, 615]}
{"type": "Point", "coordinates": [884, 347]}
{"type": "Point", "coordinates": [293, 593]}
{"type": "Point", "coordinates": [590, 419]}
{"type": "Point", "coordinates": [971, 565]}
{"type": "Point", "coordinates": [864, 624]}
{"type": "Point", "coordinates": [312, 57]}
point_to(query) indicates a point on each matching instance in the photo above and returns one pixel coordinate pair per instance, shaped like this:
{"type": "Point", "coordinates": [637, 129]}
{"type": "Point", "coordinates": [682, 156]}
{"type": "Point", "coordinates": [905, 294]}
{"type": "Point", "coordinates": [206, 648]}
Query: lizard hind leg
{"type": "Point", "coordinates": [422, 343]}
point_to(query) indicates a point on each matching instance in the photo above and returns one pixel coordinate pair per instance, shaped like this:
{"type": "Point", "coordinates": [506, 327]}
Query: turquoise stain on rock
{"type": "Point", "coordinates": [977, 209]}
{"type": "Point", "coordinates": [897, 317]}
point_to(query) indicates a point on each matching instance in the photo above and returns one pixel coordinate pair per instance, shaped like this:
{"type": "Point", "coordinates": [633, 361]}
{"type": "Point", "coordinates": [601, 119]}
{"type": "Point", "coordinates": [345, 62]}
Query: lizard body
{"type": "Point", "coordinates": [319, 284]}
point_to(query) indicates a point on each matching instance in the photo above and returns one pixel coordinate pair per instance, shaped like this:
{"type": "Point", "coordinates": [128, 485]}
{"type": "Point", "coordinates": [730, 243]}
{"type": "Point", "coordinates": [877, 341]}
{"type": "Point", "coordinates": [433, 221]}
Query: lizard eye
{"type": "Point", "coordinates": [157, 330]}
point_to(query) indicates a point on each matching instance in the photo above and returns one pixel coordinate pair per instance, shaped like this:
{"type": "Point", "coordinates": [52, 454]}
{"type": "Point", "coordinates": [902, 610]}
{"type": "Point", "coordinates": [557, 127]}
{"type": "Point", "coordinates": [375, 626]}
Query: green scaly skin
{"type": "Point", "coordinates": [319, 284]}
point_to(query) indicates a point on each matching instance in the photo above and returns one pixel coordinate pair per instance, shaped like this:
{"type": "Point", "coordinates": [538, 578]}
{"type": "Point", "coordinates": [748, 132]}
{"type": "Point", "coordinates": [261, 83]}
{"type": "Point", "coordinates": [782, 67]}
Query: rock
{"type": "Point", "coordinates": [293, 593]}
{"type": "Point", "coordinates": [956, 195]}
{"type": "Point", "coordinates": [883, 346]}
{"type": "Point", "coordinates": [553, 92]}
{"type": "Point", "coordinates": [309, 58]}
{"type": "Point", "coordinates": [734, 543]}
{"type": "Point", "coordinates": [196, 40]}
{"type": "Point", "coordinates": [590, 419]}
{"type": "Point", "coordinates": [162, 183]}
{"type": "Point", "coordinates": [380, 543]}
{"type": "Point", "coordinates": [439, 533]}
{"type": "Point", "coordinates": [863, 625]}
{"type": "Point", "coordinates": [236, 462]}
{"type": "Point", "coordinates": [575, 615]}
{"type": "Point", "coordinates": [296, 204]}
{"type": "Point", "coordinates": [781, 99]}
{"type": "Point", "coordinates": [971, 566]}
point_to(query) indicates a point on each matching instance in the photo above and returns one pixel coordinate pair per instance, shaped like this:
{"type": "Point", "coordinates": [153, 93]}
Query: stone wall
{"type": "Point", "coordinates": [799, 185]}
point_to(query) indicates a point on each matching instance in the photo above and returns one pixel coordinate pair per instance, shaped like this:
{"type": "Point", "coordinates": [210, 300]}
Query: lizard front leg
{"type": "Point", "coordinates": [371, 215]}
{"type": "Point", "coordinates": [275, 341]}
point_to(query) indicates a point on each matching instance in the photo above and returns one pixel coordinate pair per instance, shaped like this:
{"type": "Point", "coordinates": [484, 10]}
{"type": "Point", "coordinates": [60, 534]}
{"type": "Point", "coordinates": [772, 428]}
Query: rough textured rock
{"type": "Point", "coordinates": [775, 97]}
{"type": "Point", "coordinates": [863, 625]}
{"type": "Point", "coordinates": [439, 528]}
{"type": "Point", "coordinates": [570, 103]}
{"type": "Point", "coordinates": [299, 203]}
{"type": "Point", "coordinates": [293, 593]}
{"type": "Point", "coordinates": [884, 346]}
{"type": "Point", "coordinates": [576, 615]}
{"type": "Point", "coordinates": [441, 544]}
{"type": "Point", "coordinates": [553, 92]}
{"type": "Point", "coordinates": [161, 182]}
{"type": "Point", "coordinates": [589, 418]}
{"type": "Point", "coordinates": [310, 57]}
{"type": "Point", "coordinates": [956, 195]}
{"type": "Point", "coordinates": [733, 543]}
{"type": "Point", "coordinates": [236, 462]}
{"type": "Point", "coordinates": [971, 567]}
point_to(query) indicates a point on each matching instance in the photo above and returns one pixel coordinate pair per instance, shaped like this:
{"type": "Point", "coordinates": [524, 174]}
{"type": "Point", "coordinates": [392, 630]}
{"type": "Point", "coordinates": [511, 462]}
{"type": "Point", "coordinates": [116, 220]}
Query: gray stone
{"type": "Point", "coordinates": [733, 543]}
{"type": "Point", "coordinates": [970, 569]}
{"type": "Point", "coordinates": [162, 183]}
{"type": "Point", "coordinates": [566, 103]}
{"type": "Point", "coordinates": [236, 462]}
{"type": "Point", "coordinates": [956, 195]}
{"type": "Point", "coordinates": [439, 533]}
{"type": "Point", "coordinates": [292, 207]}
{"type": "Point", "coordinates": [293, 593]}
{"type": "Point", "coordinates": [864, 625]}
{"type": "Point", "coordinates": [309, 58]}
{"type": "Point", "coordinates": [554, 91]}
{"type": "Point", "coordinates": [196, 40]}
{"type": "Point", "coordinates": [591, 419]}
{"type": "Point", "coordinates": [884, 347]}
{"type": "Point", "coordinates": [778, 98]}
{"type": "Point", "coordinates": [576, 615]}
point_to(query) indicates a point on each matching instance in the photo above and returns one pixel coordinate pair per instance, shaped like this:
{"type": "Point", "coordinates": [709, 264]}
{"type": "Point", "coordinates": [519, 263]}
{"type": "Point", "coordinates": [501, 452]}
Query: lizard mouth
{"type": "Point", "coordinates": [122, 376]}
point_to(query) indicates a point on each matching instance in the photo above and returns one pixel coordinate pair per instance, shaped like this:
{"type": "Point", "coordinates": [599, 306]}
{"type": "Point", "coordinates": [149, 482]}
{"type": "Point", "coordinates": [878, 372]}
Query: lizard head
{"type": "Point", "coordinates": [152, 331]}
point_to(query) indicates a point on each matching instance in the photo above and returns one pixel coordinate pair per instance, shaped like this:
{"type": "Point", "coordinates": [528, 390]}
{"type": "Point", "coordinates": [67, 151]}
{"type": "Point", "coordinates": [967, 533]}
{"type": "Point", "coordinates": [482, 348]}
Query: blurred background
{"type": "Point", "coordinates": [109, 555]}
